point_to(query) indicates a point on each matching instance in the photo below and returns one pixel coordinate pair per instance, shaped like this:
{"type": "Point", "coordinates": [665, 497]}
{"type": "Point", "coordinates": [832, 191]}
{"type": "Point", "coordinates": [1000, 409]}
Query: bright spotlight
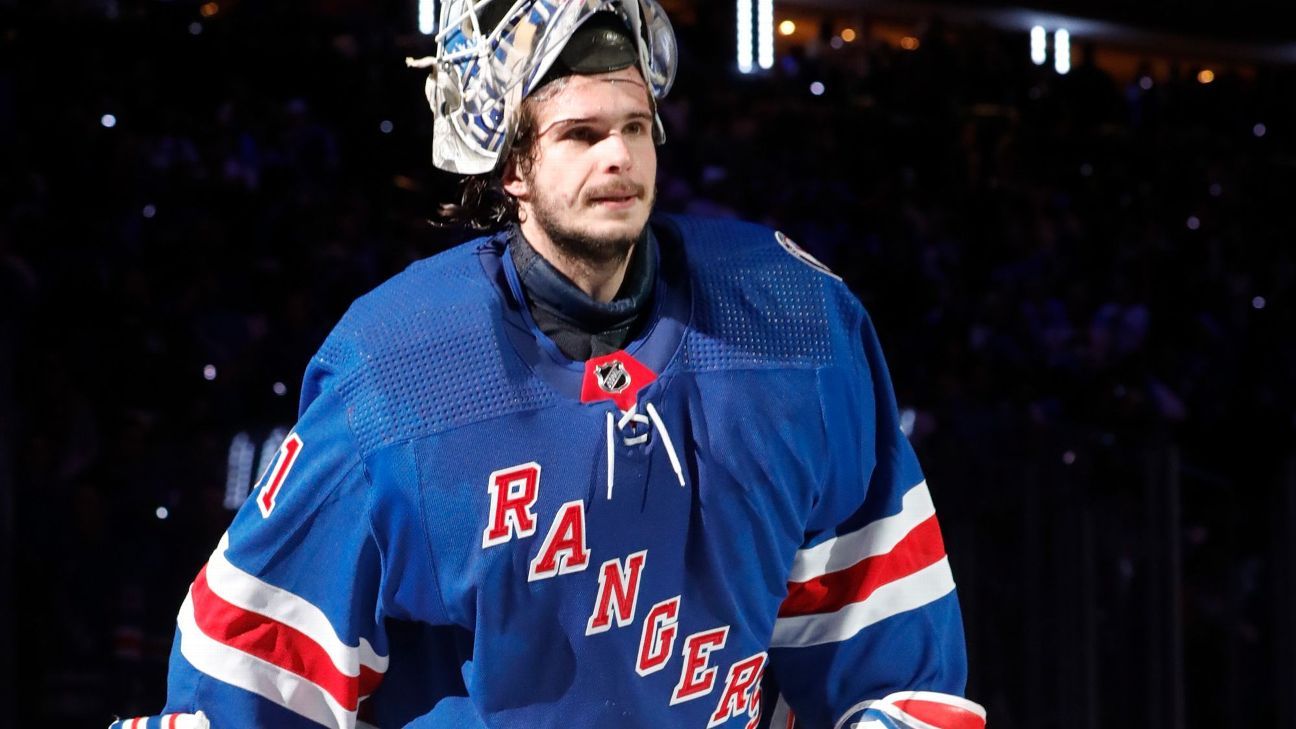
{"type": "Point", "coordinates": [765, 33]}
{"type": "Point", "coordinates": [1062, 51]}
{"type": "Point", "coordinates": [745, 62]}
{"type": "Point", "coordinates": [427, 19]}
{"type": "Point", "coordinates": [1039, 45]}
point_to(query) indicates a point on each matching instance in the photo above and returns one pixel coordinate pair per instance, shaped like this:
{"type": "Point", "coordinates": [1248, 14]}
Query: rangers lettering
{"type": "Point", "coordinates": [618, 593]}
{"type": "Point", "coordinates": [658, 639]}
{"type": "Point", "coordinates": [278, 473]}
{"type": "Point", "coordinates": [754, 708]}
{"type": "Point", "coordinates": [564, 550]}
{"type": "Point", "coordinates": [696, 679]}
{"type": "Point", "coordinates": [737, 699]}
{"type": "Point", "coordinates": [513, 493]}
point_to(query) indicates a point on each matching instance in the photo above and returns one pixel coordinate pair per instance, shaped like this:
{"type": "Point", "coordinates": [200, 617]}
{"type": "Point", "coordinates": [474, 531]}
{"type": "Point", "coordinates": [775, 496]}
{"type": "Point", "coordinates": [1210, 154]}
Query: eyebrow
{"type": "Point", "coordinates": [636, 115]}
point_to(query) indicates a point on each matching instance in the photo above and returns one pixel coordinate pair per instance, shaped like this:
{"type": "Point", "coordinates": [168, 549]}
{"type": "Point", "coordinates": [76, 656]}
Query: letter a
{"type": "Point", "coordinates": [564, 550]}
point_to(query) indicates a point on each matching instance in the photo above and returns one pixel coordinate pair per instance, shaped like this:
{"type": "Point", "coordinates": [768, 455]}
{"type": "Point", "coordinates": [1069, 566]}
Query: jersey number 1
{"type": "Point", "coordinates": [278, 473]}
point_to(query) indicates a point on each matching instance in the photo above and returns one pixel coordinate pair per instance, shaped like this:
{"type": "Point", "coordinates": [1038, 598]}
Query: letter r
{"type": "Point", "coordinates": [513, 494]}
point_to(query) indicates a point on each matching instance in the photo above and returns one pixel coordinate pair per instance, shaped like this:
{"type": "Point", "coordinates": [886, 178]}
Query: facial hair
{"type": "Point", "coordinates": [579, 245]}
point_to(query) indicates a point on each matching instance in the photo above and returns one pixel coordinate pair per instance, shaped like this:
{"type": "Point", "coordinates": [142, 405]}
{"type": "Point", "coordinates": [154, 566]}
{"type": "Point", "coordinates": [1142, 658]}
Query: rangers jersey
{"type": "Point", "coordinates": [467, 529]}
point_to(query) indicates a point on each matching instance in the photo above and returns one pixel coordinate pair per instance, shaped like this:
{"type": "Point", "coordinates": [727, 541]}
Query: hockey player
{"type": "Point", "coordinates": [590, 470]}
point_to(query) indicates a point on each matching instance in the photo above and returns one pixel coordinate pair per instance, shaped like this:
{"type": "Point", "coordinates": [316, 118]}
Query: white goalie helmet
{"type": "Point", "coordinates": [491, 54]}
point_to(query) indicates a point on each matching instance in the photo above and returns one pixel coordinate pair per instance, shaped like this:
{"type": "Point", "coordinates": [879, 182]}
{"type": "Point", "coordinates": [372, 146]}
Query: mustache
{"type": "Point", "coordinates": [615, 190]}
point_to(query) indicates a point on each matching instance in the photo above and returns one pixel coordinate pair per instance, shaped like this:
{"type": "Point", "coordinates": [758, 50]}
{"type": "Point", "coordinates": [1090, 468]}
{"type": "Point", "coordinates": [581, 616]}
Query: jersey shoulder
{"type": "Point", "coordinates": [759, 300]}
{"type": "Point", "coordinates": [422, 352]}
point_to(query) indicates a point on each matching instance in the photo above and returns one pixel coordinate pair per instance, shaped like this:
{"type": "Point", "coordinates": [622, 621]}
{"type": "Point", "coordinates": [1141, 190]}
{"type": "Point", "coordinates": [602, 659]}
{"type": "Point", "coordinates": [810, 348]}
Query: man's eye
{"type": "Point", "coordinates": [581, 134]}
{"type": "Point", "coordinates": [636, 128]}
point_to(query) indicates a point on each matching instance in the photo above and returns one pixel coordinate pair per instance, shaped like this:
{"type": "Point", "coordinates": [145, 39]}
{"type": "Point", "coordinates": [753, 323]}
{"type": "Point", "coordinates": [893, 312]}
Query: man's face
{"type": "Point", "coordinates": [590, 187]}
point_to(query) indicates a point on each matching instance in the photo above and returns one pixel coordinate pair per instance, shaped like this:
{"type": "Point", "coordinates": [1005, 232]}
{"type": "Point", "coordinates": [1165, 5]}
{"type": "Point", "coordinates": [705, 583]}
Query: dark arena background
{"type": "Point", "coordinates": [1073, 224]}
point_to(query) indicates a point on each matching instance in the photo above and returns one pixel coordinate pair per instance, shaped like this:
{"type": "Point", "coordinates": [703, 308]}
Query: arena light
{"type": "Point", "coordinates": [1062, 51]}
{"type": "Point", "coordinates": [848, 35]}
{"type": "Point", "coordinates": [765, 29]}
{"type": "Point", "coordinates": [1039, 45]}
{"type": "Point", "coordinates": [238, 473]}
{"type": "Point", "coordinates": [745, 36]}
{"type": "Point", "coordinates": [427, 20]}
{"type": "Point", "coordinates": [1205, 76]}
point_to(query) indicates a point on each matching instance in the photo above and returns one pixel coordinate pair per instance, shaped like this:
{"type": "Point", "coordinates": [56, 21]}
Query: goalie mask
{"type": "Point", "coordinates": [491, 54]}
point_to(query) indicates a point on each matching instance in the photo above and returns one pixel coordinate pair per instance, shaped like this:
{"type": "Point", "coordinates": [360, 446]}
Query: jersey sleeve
{"type": "Point", "coordinates": [870, 633]}
{"type": "Point", "coordinates": [284, 626]}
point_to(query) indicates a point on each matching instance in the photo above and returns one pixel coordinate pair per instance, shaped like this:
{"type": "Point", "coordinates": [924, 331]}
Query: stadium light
{"type": "Point", "coordinates": [1062, 51]}
{"type": "Point", "coordinates": [427, 20]}
{"type": "Point", "coordinates": [238, 474]}
{"type": "Point", "coordinates": [1039, 45]}
{"type": "Point", "coordinates": [745, 36]}
{"type": "Point", "coordinates": [765, 26]}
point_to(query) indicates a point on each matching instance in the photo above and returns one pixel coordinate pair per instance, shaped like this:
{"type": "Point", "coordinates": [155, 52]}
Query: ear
{"type": "Point", "coordinates": [513, 183]}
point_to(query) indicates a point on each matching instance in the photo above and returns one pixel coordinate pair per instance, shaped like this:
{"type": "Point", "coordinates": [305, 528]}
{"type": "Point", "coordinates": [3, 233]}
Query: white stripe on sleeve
{"type": "Point", "coordinates": [264, 679]}
{"type": "Point", "coordinates": [878, 537]}
{"type": "Point", "coordinates": [893, 598]}
{"type": "Point", "coordinates": [242, 589]}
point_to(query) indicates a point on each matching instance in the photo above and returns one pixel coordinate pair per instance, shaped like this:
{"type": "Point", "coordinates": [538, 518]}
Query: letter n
{"type": "Point", "coordinates": [618, 593]}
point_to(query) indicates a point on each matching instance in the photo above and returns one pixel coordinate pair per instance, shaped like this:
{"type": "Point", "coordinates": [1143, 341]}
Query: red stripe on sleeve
{"type": "Point", "coordinates": [921, 547]}
{"type": "Point", "coordinates": [274, 642]}
{"type": "Point", "coordinates": [944, 716]}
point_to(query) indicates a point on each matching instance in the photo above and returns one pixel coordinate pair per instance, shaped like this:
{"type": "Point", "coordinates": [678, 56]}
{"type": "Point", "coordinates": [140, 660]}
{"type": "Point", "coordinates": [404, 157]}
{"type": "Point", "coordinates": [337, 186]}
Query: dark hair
{"type": "Point", "coordinates": [483, 203]}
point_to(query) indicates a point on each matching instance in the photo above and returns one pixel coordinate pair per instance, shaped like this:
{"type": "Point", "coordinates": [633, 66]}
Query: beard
{"type": "Point", "coordinates": [584, 245]}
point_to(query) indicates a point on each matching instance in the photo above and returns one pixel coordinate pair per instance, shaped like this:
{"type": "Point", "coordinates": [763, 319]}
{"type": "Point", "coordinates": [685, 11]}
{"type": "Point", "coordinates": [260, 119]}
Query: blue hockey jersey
{"type": "Point", "coordinates": [466, 529]}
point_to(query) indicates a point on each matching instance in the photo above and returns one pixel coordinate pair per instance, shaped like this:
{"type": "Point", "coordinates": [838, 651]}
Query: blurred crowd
{"type": "Point", "coordinates": [190, 202]}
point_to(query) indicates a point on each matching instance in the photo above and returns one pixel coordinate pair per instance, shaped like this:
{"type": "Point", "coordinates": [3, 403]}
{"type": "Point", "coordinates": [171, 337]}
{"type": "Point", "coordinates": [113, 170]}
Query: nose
{"type": "Point", "coordinates": [615, 153]}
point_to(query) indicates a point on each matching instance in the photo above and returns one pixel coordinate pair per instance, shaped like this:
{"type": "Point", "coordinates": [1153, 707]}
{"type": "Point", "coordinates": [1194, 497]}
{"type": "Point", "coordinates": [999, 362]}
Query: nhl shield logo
{"type": "Point", "coordinates": [617, 377]}
{"type": "Point", "coordinates": [612, 377]}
